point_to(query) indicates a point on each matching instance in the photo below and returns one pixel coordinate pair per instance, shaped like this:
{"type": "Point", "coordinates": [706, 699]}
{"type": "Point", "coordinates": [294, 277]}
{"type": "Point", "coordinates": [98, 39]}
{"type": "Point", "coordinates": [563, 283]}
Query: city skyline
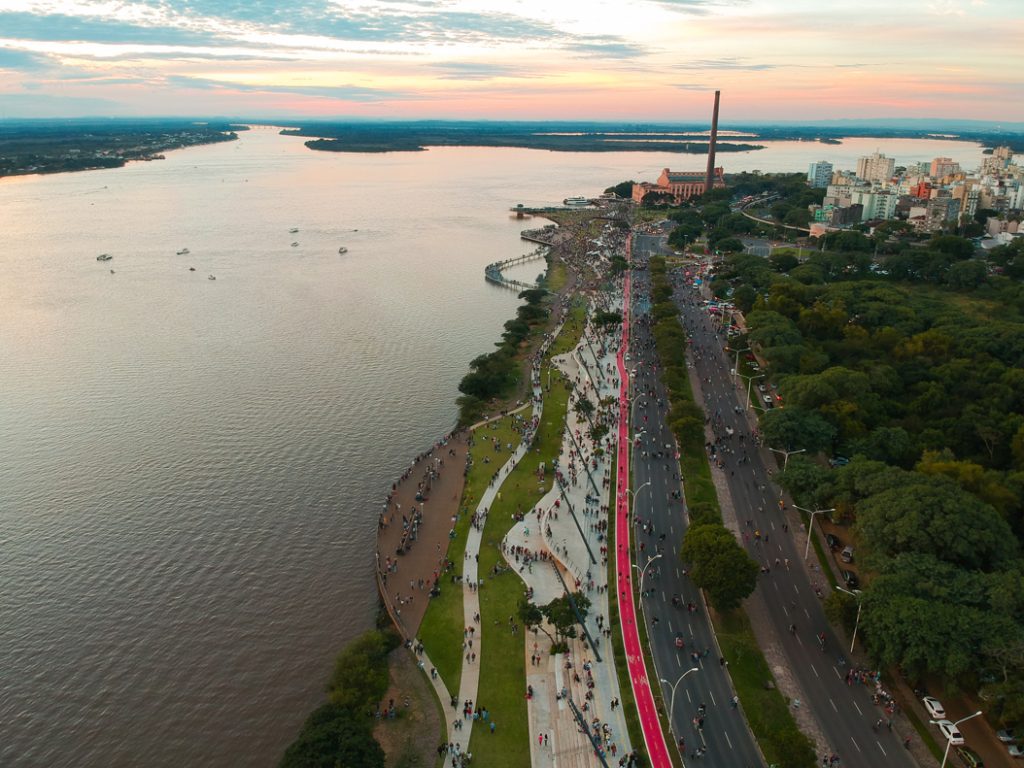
{"type": "Point", "coordinates": [651, 60]}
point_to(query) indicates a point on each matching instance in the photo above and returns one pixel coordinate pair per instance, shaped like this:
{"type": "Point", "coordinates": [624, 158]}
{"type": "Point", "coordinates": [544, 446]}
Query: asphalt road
{"type": "Point", "coordinates": [845, 713]}
{"type": "Point", "coordinates": [659, 513]}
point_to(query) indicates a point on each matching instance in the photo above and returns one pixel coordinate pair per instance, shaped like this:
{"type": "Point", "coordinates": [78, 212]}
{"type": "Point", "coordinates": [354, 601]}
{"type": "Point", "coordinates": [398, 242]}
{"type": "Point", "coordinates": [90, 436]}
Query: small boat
{"type": "Point", "coordinates": [575, 201]}
{"type": "Point", "coordinates": [343, 249]}
{"type": "Point", "coordinates": [211, 277]}
{"type": "Point", "coordinates": [295, 244]}
{"type": "Point", "coordinates": [104, 257]}
{"type": "Point", "coordinates": [293, 230]}
{"type": "Point", "coordinates": [191, 269]}
{"type": "Point", "coordinates": [111, 271]}
{"type": "Point", "coordinates": [183, 252]}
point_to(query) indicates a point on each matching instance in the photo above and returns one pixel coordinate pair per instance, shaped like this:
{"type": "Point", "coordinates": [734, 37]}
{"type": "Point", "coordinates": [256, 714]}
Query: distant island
{"type": "Point", "coordinates": [416, 136]}
{"type": "Point", "coordinates": [57, 146]}
{"type": "Point", "coordinates": [553, 137]}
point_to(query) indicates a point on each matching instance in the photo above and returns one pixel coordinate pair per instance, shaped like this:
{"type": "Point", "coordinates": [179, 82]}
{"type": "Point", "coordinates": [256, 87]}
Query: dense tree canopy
{"type": "Point", "coordinates": [719, 565]}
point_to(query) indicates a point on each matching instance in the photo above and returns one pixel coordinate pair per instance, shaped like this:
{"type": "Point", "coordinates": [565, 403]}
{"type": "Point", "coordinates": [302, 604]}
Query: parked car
{"type": "Point", "coordinates": [847, 554]}
{"type": "Point", "coordinates": [762, 388]}
{"type": "Point", "coordinates": [838, 461]}
{"type": "Point", "coordinates": [833, 542]}
{"type": "Point", "coordinates": [949, 732]}
{"type": "Point", "coordinates": [767, 399]}
{"type": "Point", "coordinates": [850, 578]}
{"type": "Point", "coordinates": [1007, 735]}
{"type": "Point", "coordinates": [969, 757]}
{"type": "Point", "coordinates": [1015, 750]}
{"type": "Point", "coordinates": [934, 707]}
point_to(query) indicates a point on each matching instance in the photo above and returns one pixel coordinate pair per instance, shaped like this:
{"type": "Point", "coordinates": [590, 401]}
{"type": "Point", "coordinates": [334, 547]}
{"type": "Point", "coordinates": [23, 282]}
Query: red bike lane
{"type": "Point", "coordinates": [657, 749]}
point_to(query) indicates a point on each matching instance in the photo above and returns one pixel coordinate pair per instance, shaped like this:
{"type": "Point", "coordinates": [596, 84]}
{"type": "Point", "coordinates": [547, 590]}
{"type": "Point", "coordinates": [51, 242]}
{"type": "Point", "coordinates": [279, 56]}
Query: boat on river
{"type": "Point", "coordinates": [575, 201]}
{"type": "Point", "coordinates": [293, 230]}
{"type": "Point", "coordinates": [183, 252]}
{"type": "Point", "coordinates": [343, 249]}
{"type": "Point", "coordinates": [104, 257]}
{"type": "Point", "coordinates": [295, 244]}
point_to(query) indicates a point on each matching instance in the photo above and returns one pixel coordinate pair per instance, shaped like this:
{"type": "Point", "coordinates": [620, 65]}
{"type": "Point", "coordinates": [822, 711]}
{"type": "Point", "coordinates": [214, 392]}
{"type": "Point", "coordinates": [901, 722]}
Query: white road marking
{"type": "Point", "coordinates": [856, 744]}
{"type": "Point", "coordinates": [880, 747]}
{"type": "Point", "coordinates": [858, 709]}
{"type": "Point", "coordinates": [833, 706]}
{"type": "Point", "coordinates": [815, 671]}
{"type": "Point", "coordinates": [727, 739]}
{"type": "Point", "coordinates": [711, 693]}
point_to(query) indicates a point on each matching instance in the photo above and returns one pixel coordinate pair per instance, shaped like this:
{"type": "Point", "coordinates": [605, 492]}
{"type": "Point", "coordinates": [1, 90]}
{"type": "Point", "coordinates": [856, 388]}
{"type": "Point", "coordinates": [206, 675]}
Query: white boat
{"type": "Point", "coordinates": [293, 230]}
{"type": "Point", "coordinates": [576, 201]}
{"type": "Point", "coordinates": [211, 277]}
{"type": "Point", "coordinates": [343, 249]}
{"type": "Point", "coordinates": [183, 252]}
{"type": "Point", "coordinates": [104, 257]}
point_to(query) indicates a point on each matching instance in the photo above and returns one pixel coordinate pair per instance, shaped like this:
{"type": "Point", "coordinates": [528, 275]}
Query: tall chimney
{"type": "Point", "coordinates": [710, 177]}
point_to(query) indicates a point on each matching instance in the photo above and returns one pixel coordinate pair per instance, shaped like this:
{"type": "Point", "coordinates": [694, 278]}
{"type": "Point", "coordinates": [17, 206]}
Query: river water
{"type": "Point", "coordinates": [191, 469]}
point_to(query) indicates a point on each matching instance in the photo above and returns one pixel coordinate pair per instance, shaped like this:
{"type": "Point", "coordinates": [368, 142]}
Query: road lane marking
{"type": "Point", "coordinates": [880, 747]}
{"type": "Point", "coordinates": [856, 744]}
{"type": "Point", "coordinates": [834, 706]}
{"type": "Point", "coordinates": [815, 671]}
{"type": "Point", "coordinates": [858, 709]}
{"type": "Point", "coordinates": [727, 739]}
{"type": "Point", "coordinates": [712, 694]}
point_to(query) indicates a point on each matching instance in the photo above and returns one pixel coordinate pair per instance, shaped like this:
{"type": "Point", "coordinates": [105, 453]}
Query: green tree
{"type": "Point", "coordinates": [719, 565]}
{"type": "Point", "coordinates": [623, 189]}
{"type": "Point", "coordinates": [951, 245]}
{"type": "Point", "coordinates": [933, 515]}
{"type": "Point", "coordinates": [334, 737]}
{"type": "Point", "coordinates": [794, 428]}
{"type": "Point", "coordinates": [561, 616]}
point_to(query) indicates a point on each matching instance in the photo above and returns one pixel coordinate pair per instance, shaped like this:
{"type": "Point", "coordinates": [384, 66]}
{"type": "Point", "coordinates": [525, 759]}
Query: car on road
{"type": "Point", "coordinates": [934, 707]}
{"type": "Point", "coordinates": [1007, 735]}
{"type": "Point", "coordinates": [949, 732]}
{"type": "Point", "coordinates": [969, 757]}
{"type": "Point", "coordinates": [1015, 750]}
{"type": "Point", "coordinates": [850, 578]}
{"type": "Point", "coordinates": [833, 542]}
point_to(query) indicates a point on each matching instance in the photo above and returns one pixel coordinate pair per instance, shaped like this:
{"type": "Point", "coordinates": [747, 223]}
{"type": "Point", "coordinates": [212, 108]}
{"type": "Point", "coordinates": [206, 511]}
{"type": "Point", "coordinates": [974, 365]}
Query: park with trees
{"type": "Point", "coordinates": [911, 363]}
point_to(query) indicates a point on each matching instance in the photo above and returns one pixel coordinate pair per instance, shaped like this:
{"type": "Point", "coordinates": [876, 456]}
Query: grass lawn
{"type": "Point", "coordinates": [572, 329]}
{"type": "Point", "coordinates": [766, 709]}
{"type": "Point", "coordinates": [503, 658]}
{"type": "Point", "coordinates": [443, 623]}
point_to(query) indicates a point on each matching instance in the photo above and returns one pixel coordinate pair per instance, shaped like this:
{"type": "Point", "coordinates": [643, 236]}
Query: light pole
{"type": "Point", "coordinates": [736, 367]}
{"type": "Point", "coordinates": [810, 525]}
{"type": "Point", "coordinates": [856, 596]}
{"type": "Point", "coordinates": [750, 381]}
{"type": "Point", "coordinates": [643, 571]}
{"type": "Point", "coordinates": [949, 741]}
{"type": "Point", "coordinates": [672, 704]}
{"type": "Point", "coordinates": [785, 462]}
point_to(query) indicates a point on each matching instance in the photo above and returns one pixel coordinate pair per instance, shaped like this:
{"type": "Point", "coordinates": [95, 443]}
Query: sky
{"type": "Point", "coordinates": [633, 60]}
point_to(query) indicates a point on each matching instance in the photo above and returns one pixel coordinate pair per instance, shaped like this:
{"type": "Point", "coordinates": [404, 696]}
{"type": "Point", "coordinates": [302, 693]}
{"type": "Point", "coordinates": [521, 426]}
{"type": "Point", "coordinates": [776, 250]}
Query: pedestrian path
{"type": "Point", "coordinates": [470, 682]}
{"type": "Point", "coordinates": [550, 532]}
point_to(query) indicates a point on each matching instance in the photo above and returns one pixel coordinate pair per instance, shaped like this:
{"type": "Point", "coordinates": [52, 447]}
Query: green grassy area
{"type": "Point", "coordinates": [766, 709]}
{"type": "Point", "coordinates": [443, 623]}
{"type": "Point", "coordinates": [503, 656]}
{"type": "Point", "coordinates": [557, 276]}
{"type": "Point", "coordinates": [572, 329]}
{"type": "Point", "coordinates": [926, 734]}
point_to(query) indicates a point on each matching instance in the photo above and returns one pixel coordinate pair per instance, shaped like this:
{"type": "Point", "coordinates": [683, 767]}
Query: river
{"type": "Point", "coordinates": [191, 469]}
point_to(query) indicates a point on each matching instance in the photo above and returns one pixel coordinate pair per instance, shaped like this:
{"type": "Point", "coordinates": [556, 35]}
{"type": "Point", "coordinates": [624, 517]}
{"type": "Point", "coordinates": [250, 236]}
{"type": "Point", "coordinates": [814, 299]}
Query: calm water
{"type": "Point", "coordinates": [190, 469]}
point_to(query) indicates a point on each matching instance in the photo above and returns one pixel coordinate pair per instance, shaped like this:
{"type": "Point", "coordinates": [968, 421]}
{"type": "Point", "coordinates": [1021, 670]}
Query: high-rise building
{"type": "Point", "coordinates": [820, 174]}
{"type": "Point", "coordinates": [876, 167]}
{"type": "Point", "coordinates": [943, 166]}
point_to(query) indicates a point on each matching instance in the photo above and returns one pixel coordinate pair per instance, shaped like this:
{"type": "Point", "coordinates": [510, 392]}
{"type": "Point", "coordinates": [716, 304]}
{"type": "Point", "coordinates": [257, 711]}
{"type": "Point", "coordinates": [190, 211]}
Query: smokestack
{"type": "Point", "coordinates": [710, 177]}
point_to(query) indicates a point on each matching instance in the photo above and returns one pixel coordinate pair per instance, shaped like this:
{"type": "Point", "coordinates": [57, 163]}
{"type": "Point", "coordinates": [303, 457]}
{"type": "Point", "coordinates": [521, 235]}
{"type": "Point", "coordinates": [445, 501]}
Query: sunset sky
{"type": "Point", "coordinates": [650, 60]}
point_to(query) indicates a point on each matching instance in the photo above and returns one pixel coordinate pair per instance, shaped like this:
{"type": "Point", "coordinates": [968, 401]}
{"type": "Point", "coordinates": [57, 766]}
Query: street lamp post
{"type": "Point", "coordinates": [949, 741]}
{"type": "Point", "coordinates": [672, 704]}
{"type": "Point", "coordinates": [736, 367]}
{"type": "Point", "coordinates": [810, 525]}
{"type": "Point", "coordinates": [643, 571]}
{"type": "Point", "coordinates": [856, 624]}
{"type": "Point", "coordinates": [787, 454]}
{"type": "Point", "coordinates": [750, 381]}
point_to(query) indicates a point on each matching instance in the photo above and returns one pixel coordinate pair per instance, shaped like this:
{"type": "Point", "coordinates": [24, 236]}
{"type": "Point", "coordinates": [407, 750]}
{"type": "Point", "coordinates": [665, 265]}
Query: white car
{"type": "Point", "coordinates": [934, 707]}
{"type": "Point", "coordinates": [949, 732]}
{"type": "Point", "coordinates": [1015, 750]}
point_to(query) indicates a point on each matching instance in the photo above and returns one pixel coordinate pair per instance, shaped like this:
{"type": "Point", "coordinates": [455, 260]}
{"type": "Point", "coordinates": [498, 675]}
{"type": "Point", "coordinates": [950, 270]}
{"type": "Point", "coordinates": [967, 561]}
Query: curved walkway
{"type": "Point", "coordinates": [654, 738]}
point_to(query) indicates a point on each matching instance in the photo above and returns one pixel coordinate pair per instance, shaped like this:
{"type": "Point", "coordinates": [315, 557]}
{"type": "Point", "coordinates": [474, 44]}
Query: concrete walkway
{"type": "Point", "coordinates": [555, 737]}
